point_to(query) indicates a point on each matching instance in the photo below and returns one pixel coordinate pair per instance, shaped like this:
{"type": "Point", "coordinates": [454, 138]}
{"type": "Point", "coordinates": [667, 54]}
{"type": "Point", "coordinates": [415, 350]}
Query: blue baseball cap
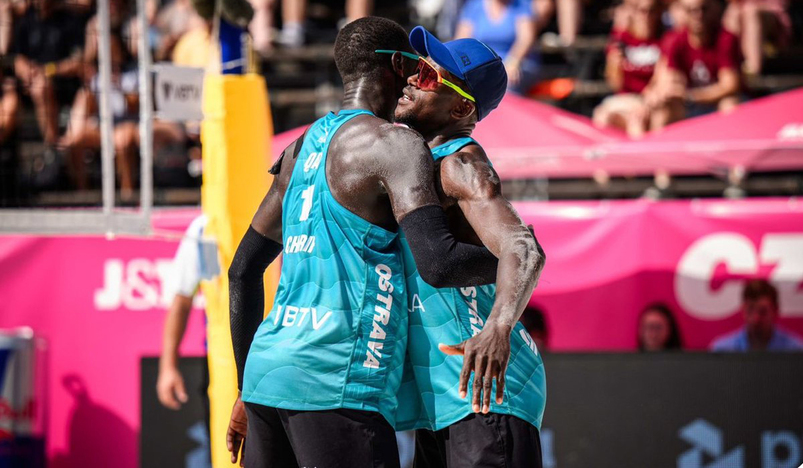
{"type": "Point", "coordinates": [470, 60]}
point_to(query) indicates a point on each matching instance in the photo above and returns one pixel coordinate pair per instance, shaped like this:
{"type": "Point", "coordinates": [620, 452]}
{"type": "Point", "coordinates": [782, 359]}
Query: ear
{"type": "Point", "coordinates": [463, 109]}
{"type": "Point", "coordinates": [397, 62]}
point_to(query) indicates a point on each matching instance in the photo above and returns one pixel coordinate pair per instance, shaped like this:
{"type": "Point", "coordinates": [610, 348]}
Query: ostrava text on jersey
{"type": "Point", "coordinates": [336, 334]}
{"type": "Point", "coordinates": [428, 398]}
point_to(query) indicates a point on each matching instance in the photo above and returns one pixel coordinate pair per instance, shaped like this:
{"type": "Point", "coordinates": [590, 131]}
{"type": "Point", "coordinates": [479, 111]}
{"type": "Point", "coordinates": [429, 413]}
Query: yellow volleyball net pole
{"type": "Point", "coordinates": [236, 134]}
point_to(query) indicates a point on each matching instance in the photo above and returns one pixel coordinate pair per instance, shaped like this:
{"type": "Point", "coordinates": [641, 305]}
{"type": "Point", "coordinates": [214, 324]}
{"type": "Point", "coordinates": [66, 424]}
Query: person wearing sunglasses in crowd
{"type": "Point", "coordinates": [458, 84]}
{"type": "Point", "coordinates": [319, 376]}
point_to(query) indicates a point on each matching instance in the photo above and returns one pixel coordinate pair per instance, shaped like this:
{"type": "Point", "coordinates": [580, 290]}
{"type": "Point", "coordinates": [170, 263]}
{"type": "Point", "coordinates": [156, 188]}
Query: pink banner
{"type": "Point", "coordinates": [101, 306]}
{"type": "Point", "coordinates": [100, 303]}
{"type": "Point", "coordinates": [607, 260]}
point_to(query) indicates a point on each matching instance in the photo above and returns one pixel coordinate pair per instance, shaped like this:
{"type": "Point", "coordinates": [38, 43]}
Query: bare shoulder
{"type": "Point", "coordinates": [468, 174]}
{"type": "Point", "coordinates": [376, 143]}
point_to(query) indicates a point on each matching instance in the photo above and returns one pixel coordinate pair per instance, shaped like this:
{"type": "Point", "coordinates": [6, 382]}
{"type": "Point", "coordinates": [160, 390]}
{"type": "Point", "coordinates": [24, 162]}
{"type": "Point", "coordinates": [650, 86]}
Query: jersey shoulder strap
{"type": "Point", "coordinates": [453, 146]}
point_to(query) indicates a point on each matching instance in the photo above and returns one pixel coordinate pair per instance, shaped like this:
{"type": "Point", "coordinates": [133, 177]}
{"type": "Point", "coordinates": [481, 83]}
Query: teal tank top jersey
{"type": "Point", "coordinates": [336, 334]}
{"type": "Point", "coordinates": [429, 396]}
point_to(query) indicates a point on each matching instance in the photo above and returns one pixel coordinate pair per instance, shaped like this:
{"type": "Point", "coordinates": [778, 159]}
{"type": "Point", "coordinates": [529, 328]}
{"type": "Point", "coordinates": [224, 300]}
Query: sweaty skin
{"type": "Point", "coordinates": [470, 192]}
{"type": "Point", "coordinates": [377, 170]}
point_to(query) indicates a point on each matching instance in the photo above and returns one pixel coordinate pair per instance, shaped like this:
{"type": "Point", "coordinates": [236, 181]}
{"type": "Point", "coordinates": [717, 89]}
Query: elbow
{"type": "Point", "coordinates": [238, 271]}
{"type": "Point", "coordinates": [435, 276]}
{"type": "Point", "coordinates": [534, 255]}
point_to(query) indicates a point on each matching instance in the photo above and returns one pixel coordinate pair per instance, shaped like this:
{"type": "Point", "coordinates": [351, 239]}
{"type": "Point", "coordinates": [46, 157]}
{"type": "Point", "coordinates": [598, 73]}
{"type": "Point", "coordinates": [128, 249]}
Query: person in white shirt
{"type": "Point", "coordinates": [196, 259]}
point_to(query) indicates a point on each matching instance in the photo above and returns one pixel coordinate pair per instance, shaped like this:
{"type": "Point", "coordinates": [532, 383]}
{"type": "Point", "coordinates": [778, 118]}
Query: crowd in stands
{"type": "Point", "coordinates": [658, 330]}
{"type": "Point", "coordinates": [50, 64]}
{"type": "Point", "coordinates": [665, 60]}
{"type": "Point", "coordinates": [661, 74]}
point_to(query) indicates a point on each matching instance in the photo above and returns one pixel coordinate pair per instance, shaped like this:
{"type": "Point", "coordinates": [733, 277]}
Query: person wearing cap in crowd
{"type": "Point", "coordinates": [457, 84]}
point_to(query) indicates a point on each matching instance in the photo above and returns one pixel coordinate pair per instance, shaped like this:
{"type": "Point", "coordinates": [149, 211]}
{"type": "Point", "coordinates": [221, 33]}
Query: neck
{"type": "Point", "coordinates": [372, 95]}
{"type": "Point", "coordinates": [449, 133]}
{"type": "Point", "coordinates": [642, 30]}
{"type": "Point", "coordinates": [702, 39]}
{"type": "Point", "coordinates": [759, 340]}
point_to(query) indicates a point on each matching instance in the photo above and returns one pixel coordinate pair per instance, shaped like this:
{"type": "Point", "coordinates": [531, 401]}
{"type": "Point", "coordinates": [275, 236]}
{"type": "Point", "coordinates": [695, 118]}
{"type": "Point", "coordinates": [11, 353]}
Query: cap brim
{"type": "Point", "coordinates": [428, 45]}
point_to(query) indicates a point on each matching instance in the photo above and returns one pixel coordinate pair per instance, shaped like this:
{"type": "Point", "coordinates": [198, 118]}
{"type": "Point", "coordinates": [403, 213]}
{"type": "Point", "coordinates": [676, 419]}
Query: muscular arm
{"type": "Point", "coordinates": [261, 245]}
{"type": "Point", "coordinates": [441, 260]}
{"type": "Point", "coordinates": [468, 178]}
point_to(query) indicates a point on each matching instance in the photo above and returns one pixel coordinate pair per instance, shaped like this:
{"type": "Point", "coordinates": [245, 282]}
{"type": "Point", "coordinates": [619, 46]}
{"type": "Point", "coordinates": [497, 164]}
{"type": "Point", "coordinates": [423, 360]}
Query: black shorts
{"type": "Point", "coordinates": [318, 439]}
{"type": "Point", "coordinates": [487, 440]}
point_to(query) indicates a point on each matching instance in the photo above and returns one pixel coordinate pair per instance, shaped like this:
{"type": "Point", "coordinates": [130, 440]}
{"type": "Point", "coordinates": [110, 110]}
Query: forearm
{"type": "Point", "coordinates": [69, 67]}
{"type": "Point", "coordinates": [175, 325]}
{"type": "Point", "coordinates": [727, 85]}
{"type": "Point", "coordinates": [520, 264]}
{"type": "Point", "coordinates": [710, 94]}
{"type": "Point", "coordinates": [519, 50]}
{"type": "Point", "coordinates": [614, 79]}
{"type": "Point", "coordinates": [441, 260]}
{"type": "Point", "coordinates": [525, 40]}
{"type": "Point", "coordinates": [247, 292]}
{"type": "Point", "coordinates": [613, 74]}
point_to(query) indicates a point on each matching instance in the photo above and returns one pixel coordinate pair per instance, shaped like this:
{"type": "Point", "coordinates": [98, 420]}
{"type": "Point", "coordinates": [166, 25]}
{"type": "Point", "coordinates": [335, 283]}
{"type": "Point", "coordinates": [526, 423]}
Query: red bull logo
{"type": "Point", "coordinates": [21, 424]}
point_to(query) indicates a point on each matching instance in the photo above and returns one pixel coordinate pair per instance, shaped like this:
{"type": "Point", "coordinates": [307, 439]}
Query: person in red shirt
{"type": "Point", "coordinates": [631, 57]}
{"type": "Point", "coordinates": [702, 69]}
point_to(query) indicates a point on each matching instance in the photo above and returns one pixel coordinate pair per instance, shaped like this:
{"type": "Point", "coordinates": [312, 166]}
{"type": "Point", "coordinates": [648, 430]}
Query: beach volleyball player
{"type": "Point", "coordinates": [455, 85]}
{"type": "Point", "coordinates": [323, 369]}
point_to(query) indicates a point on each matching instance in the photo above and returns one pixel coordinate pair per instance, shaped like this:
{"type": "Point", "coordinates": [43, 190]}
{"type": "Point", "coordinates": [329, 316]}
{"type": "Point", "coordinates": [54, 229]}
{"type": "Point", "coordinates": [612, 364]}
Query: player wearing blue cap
{"type": "Point", "coordinates": [455, 85]}
{"type": "Point", "coordinates": [320, 375]}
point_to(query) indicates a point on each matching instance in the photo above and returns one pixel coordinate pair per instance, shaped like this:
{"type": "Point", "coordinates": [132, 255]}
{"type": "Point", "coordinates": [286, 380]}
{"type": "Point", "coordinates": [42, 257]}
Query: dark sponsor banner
{"type": "Point", "coordinates": [171, 438]}
{"type": "Point", "coordinates": [673, 410]}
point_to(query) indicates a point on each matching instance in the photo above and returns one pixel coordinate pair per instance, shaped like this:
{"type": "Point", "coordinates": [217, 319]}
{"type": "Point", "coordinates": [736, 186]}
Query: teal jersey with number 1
{"type": "Point", "coordinates": [428, 398]}
{"type": "Point", "coordinates": [336, 334]}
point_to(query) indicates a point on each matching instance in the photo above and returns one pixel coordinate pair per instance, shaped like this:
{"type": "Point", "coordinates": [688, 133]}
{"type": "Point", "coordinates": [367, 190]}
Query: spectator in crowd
{"type": "Point", "coordinates": [294, 15]}
{"type": "Point", "coordinates": [83, 131]}
{"type": "Point", "coordinates": [676, 17]}
{"type": "Point", "coordinates": [9, 164]}
{"type": "Point", "coordinates": [630, 60]}
{"type": "Point", "coordinates": [758, 22]}
{"type": "Point", "coordinates": [194, 48]}
{"type": "Point", "coordinates": [760, 332]}
{"type": "Point", "coordinates": [702, 67]}
{"type": "Point", "coordinates": [167, 25]}
{"type": "Point", "coordinates": [47, 42]}
{"type": "Point", "coordinates": [261, 25]}
{"type": "Point", "coordinates": [534, 321]}
{"type": "Point", "coordinates": [658, 330]}
{"type": "Point", "coordinates": [508, 27]}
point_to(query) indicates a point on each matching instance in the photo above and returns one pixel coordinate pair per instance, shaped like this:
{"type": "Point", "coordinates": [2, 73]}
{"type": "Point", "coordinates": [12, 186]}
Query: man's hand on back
{"type": "Point", "coordinates": [486, 355]}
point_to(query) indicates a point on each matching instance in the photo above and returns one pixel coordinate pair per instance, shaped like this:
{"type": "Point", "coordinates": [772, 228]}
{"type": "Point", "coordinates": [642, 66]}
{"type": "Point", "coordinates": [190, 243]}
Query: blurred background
{"type": "Point", "coordinates": [656, 146]}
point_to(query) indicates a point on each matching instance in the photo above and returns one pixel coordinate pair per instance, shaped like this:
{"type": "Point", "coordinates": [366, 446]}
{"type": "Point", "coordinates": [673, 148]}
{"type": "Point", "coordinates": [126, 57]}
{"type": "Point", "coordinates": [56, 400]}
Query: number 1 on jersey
{"type": "Point", "coordinates": [306, 207]}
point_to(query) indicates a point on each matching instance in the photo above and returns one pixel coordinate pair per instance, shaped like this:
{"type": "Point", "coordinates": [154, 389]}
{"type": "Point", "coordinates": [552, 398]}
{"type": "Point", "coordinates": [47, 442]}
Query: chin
{"type": "Point", "coordinates": [407, 118]}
